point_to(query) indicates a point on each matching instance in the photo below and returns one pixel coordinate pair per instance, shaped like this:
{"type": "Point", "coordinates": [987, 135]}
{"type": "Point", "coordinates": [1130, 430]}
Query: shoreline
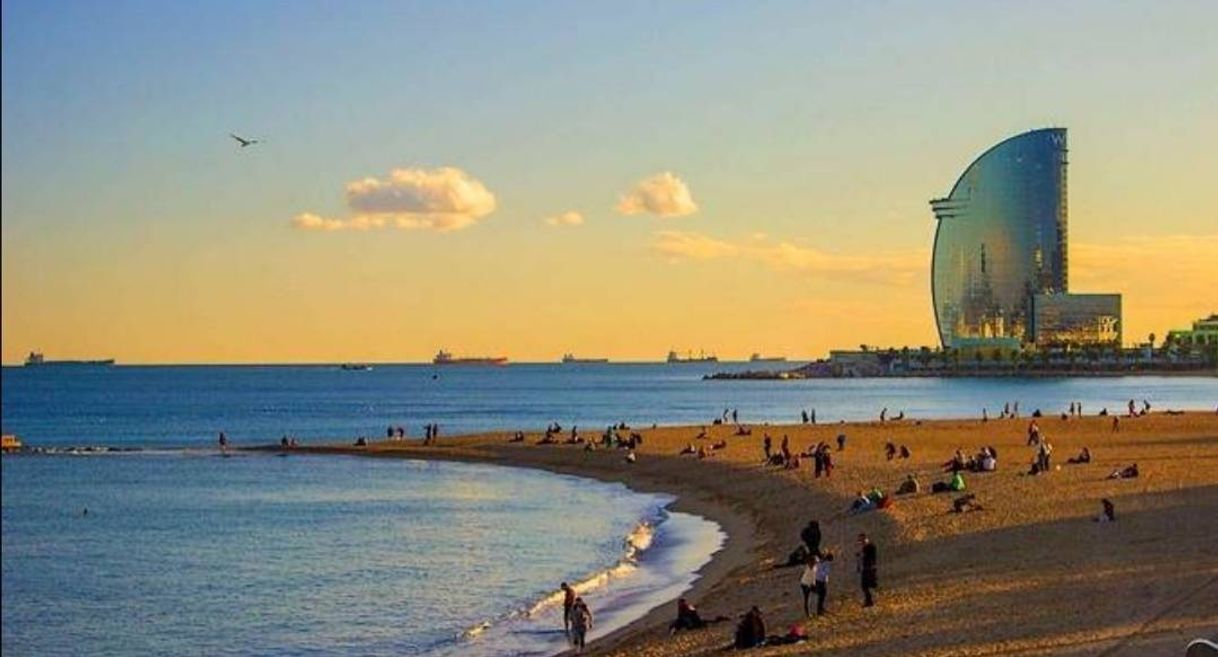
{"type": "Point", "coordinates": [760, 510]}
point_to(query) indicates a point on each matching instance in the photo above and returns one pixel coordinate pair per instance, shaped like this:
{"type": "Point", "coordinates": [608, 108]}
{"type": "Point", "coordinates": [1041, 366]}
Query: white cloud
{"type": "Point", "coordinates": [443, 199]}
{"type": "Point", "coordinates": [663, 195]}
{"type": "Point", "coordinates": [891, 268]}
{"type": "Point", "coordinates": [571, 218]}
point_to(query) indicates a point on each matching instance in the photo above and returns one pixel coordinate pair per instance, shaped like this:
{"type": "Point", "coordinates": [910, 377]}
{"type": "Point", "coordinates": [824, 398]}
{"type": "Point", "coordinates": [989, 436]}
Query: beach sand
{"type": "Point", "coordinates": [1031, 574]}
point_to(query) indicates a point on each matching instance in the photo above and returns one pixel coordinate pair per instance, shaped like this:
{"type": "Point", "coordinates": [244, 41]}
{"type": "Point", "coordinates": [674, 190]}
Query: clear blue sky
{"type": "Point", "coordinates": [827, 125]}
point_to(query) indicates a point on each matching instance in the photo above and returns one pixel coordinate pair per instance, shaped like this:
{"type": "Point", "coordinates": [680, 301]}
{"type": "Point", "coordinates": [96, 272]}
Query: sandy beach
{"type": "Point", "coordinates": [1031, 573]}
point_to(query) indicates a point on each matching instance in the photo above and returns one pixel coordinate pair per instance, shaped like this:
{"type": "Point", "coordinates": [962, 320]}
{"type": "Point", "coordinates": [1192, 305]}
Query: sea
{"type": "Point", "coordinates": [131, 534]}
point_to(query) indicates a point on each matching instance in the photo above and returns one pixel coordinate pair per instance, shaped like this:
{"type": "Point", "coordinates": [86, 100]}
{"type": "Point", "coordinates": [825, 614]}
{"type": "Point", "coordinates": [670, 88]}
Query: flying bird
{"type": "Point", "coordinates": [244, 142]}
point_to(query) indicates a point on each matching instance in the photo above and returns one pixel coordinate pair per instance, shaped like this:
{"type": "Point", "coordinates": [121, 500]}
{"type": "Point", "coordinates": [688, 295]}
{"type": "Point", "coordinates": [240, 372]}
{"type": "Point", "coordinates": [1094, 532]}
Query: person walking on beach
{"type": "Point", "coordinates": [223, 443]}
{"type": "Point", "coordinates": [568, 601]}
{"type": "Point", "coordinates": [581, 622]}
{"type": "Point", "coordinates": [868, 559]}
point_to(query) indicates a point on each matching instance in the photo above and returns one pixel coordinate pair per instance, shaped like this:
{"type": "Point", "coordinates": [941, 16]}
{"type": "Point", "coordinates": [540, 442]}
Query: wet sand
{"type": "Point", "coordinates": [1030, 574]}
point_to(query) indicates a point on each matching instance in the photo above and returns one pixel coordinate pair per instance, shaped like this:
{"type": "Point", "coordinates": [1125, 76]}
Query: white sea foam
{"type": "Point", "coordinates": [637, 541]}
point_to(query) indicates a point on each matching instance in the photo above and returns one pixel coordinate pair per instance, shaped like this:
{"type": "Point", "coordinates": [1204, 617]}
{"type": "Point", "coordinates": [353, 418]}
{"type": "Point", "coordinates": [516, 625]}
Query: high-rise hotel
{"type": "Point", "coordinates": [1000, 274]}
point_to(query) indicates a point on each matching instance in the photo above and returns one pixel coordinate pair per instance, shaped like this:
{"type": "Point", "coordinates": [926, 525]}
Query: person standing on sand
{"type": "Point", "coordinates": [223, 443]}
{"type": "Point", "coordinates": [786, 449]}
{"type": "Point", "coordinates": [821, 577]}
{"type": "Point", "coordinates": [868, 564]}
{"type": "Point", "coordinates": [768, 446]}
{"type": "Point", "coordinates": [581, 622]}
{"type": "Point", "coordinates": [568, 601]}
{"type": "Point", "coordinates": [811, 537]}
{"type": "Point", "coordinates": [807, 582]}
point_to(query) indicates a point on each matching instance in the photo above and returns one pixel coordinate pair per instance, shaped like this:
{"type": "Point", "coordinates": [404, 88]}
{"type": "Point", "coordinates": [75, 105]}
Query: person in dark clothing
{"type": "Point", "coordinates": [568, 601]}
{"type": "Point", "coordinates": [688, 618]}
{"type": "Point", "coordinates": [768, 446]}
{"type": "Point", "coordinates": [868, 564]}
{"type": "Point", "coordinates": [811, 537]}
{"type": "Point", "coordinates": [841, 441]}
{"type": "Point", "coordinates": [750, 633]}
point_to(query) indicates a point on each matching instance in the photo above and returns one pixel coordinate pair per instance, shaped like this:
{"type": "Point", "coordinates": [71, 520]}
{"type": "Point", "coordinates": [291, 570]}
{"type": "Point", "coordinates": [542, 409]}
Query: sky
{"type": "Point", "coordinates": [531, 178]}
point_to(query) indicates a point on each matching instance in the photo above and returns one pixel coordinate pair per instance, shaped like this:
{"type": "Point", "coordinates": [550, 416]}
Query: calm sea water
{"type": "Point", "coordinates": [187, 406]}
{"type": "Point", "coordinates": [185, 552]}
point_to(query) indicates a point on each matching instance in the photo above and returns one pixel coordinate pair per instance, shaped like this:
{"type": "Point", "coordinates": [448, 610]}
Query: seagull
{"type": "Point", "coordinates": [244, 142]}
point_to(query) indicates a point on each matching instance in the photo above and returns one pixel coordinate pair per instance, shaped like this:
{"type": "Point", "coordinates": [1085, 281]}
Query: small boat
{"type": "Point", "coordinates": [36, 359]}
{"type": "Point", "coordinates": [570, 359]}
{"type": "Point", "coordinates": [356, 367]}
{"type": "Point", "coordinates": [758, 358]}
{"type": "Point", "coordinates": [446, 358]}
{"type": "Point", "coordinates": [702, 357]}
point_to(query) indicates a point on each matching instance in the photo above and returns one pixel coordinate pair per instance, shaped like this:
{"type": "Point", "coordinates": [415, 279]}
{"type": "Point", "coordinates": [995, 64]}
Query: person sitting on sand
{"type": "Point", "coordinates": [988, 461]}
{"type": "Point", "coordinates": [1130, 472]}
{"type": "Point", "coordinates": [861, 503]}
{"type": "Point", "coordinates": [548, 439]}
{"type": "Point", "coordinates": [1107, 511]}
{"type": "Point", "coordinates": [956, 463]}
{"type": "Point", "coordinates": [793, 464]}
{"type": "Point", "coordinates": [955, 484]}
{"type": "Point", "coordinates": [965, 503]}
{"type": "Point", "coordinates": [743, 431]}
{"type": "Point", "coordinates": [909, 487]}
{"type": "Point", "coordinates": [750, 633]}
{"type": "Point", "coordinates": [890, 451]}
{"type": "Point", "coordinates": [689, 449]}
{"type": "Point", "coordinates": [701, 434]}
{"type": "Point", "coordinates": [630, 457]}
{"type": "Point", "coordinates": [688, 618]}
{"type": "Point", "coordinates": [1083, 457]}
{"type": "Point", "coordinates": [517, 438]}
{"type": "Point", "coordinates": [905, 452]}
{"type": "Point", "coordinates": [722, 444]}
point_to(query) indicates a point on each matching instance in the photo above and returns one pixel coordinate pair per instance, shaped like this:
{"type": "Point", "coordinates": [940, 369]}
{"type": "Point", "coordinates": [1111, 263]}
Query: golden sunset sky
{"type": "Point", "coordinates": [527, 179]}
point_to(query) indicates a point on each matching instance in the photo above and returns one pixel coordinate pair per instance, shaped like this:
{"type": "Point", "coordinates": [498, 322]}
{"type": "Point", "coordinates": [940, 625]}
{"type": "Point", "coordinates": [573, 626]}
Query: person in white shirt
{"type": "Point", "coordinates": [807, 581]}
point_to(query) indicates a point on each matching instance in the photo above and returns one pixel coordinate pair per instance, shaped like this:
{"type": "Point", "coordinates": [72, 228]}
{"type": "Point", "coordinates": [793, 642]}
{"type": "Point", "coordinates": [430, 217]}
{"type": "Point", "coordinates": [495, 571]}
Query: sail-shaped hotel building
{"type": "Point", "coordinates": [1000, 274]}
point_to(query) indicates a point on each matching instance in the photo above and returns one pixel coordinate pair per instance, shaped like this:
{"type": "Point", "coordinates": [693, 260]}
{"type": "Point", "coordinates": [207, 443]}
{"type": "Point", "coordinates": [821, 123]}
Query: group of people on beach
{"type": "Point", "coordinates": [817, 564]}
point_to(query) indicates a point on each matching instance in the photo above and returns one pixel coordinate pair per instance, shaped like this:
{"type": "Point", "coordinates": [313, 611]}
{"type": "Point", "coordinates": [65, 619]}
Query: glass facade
{"type": "Point", "coordinates": [1076, 319]}
{"type": "Point", "coordinates": [1001, 238]}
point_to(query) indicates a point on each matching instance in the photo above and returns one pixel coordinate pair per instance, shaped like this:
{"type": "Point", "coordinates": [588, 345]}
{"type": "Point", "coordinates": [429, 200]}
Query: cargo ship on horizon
{"type": "Point", "coordinates": [36, 359]}
{"type": "Point", "coordinates": [758, 358]}
{"type": "Point", "coordinates": [570, 359]}
{"type": "Point", "coordinates": [702, 357]}
{"type": "Point", "coordinates": [446, 358]}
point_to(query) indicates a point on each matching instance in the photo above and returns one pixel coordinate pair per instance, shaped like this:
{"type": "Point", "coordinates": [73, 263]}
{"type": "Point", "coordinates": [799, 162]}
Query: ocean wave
{"type": "Point", "coordinates": [635, 543]}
